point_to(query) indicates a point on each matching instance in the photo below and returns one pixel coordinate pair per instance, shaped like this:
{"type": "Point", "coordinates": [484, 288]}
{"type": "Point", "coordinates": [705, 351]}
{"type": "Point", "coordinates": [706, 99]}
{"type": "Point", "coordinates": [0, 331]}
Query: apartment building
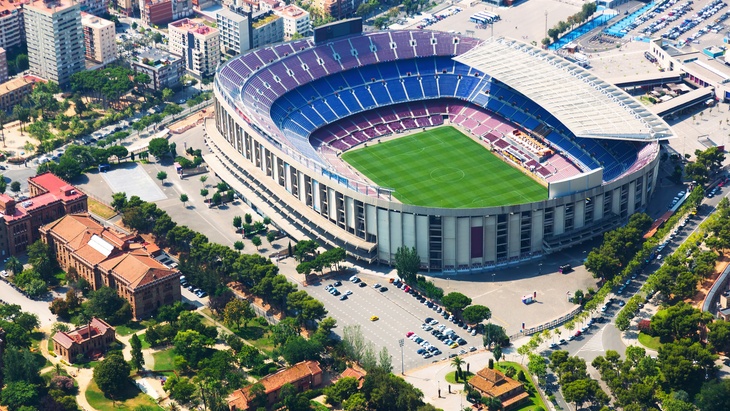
{"type": "Point", "coordinates": [181, 9]}
{"type": "Point", "coordinates": [55, 39]}
{"type": "Point", "coordinates": [106, 257]}
{"type": "Point", "coordinates": [266, 5]}
{"type": "Point", "coordinates": [339, 9]}
{"type": "Point", "coordinates": [296, 21]}
{"type": "Point", "coordinates": [126, 7]}
{"type": "Point", "coordinates": [99, 39]}
{"type": "Point", "coordinates": [157, 12]}
{"type": "Point", "coordinates": [13, 91]}
{"type": "Point", "coordinates": [12, 31]}
{"type": "Point", "coordinates": [234, 31]}
{"type": "Point", "coordinates": [96, 7]}
{"type": "Point", "coordinates": [198, 44]}
{"type": "Point", "coordinates": [165, 69]}
{"type": "Point", "coordinates": [3, 66]}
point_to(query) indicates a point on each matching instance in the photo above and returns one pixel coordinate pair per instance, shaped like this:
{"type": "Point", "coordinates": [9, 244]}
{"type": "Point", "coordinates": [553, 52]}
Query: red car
{"type": "Point", "coordinates": [408, 288]}
{"type": "Point", "coordinates": [409, 333]}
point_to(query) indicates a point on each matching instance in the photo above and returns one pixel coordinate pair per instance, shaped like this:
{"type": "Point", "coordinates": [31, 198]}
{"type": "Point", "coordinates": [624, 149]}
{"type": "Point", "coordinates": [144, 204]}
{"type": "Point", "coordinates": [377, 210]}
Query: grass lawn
{"type": "Point", "coordinates": [258, 336]}
{"type": "Point", "coordinates": [451, 377]}
{"type": "Point", "coordinates": [535, 401]}
{"type": "Point", "coordinates": [649, 342]}
{"type": "Point", "coordinates": [444, 168]}
{"type": "Point", "coordinates": [143, 340]}
{"type": "Point", "coordinates": [129, 328]}
{"type": "Point", "coordinates": [318, 406]}
{"type": "Point", "coordinates": [101, 209]}
{"type": "Point", "coordinates": [164, 360]}
{"type": "Point", "coordinates": [50, 344]}
{"type": "Point", "coordinates": [130, 399]}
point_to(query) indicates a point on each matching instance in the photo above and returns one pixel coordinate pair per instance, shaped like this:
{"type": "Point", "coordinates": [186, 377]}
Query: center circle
{"type": "Point", "coordinates": [447, 174]}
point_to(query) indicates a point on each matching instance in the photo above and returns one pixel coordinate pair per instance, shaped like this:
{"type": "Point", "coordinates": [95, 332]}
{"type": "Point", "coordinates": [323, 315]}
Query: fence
{"type": "Point", "coordinates": [547, 325]}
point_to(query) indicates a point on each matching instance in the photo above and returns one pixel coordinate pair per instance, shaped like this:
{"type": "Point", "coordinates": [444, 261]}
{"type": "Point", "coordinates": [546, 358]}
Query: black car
{"type": "Point", "coordinates": [383, 289]}
{"type": "Point", "coordinates": [362, 284]}
{"type": "Point", "coordinates": [338, 283]}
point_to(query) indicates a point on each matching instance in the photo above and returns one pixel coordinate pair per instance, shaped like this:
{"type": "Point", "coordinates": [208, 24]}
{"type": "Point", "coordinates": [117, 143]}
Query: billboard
{"type": "Point", "coordinates": [337, 29]}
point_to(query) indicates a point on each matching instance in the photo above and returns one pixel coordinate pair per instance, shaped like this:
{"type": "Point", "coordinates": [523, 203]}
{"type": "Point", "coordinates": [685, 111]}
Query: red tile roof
{"type": "Point", "coordinates": [57, 186]}
{"type": "Point", "coordinates": [239, 398]}
{"type": "Point", "coordinates": [97, 326]}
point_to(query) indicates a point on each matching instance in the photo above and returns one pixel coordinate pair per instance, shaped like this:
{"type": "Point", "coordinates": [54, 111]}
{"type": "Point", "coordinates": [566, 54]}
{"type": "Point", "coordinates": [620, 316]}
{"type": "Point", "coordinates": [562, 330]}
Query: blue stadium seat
{"type": "Point", "coordinates": [429, 86]}
{"type": "Point", "coordinates": [353, 77]}
{"type": "Point", "coordinates": [363, 95]}
{"type": "Point", "coordinates": [324, 111]}
{"type": "Point", "coordinates": [380, 93]}
{"type": "Point", "coordinates": [407, 66]}
{"type": "Point", "coordinates": [370, 72]}
{"type": "Point", "coordinates": [337, 106]}
{"type": "Point", "coordinates": [350, 102]}
{"type": "Point", "coordinates": [337, 82]}
{"type": "Point", "coordinates": [396, 90]}
{"type": "Point", "coordinates": [447, 85]}
{"type": "Point", "coordinates": [413, 88]}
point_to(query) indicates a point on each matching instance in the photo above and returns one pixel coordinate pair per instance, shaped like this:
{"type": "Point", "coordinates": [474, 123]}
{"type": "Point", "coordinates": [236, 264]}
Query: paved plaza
{"type": "Point", "coordinates": [132, 179]}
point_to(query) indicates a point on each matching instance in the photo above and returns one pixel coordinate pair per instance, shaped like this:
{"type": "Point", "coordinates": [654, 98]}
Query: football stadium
{"type": "Point", "coordinates": [478, 153]}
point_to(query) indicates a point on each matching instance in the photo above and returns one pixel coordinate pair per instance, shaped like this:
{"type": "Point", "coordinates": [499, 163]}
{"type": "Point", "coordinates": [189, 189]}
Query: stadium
{"type": "Point", "coordinates": [477, 153]}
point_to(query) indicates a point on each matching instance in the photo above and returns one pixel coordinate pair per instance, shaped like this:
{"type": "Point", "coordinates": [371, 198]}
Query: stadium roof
{"type": "Point", "coordinates": [588, 106]}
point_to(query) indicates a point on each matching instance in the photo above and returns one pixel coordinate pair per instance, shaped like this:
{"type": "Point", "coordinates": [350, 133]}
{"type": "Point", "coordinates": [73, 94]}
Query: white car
{"type": "Point", "coordinates": [3, 273]}
{"type": "Point", "coordinates": [348, 292]}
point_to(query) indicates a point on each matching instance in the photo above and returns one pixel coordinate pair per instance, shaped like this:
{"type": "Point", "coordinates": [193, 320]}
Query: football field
{"type": "Point", "coordinates": [444, 168]}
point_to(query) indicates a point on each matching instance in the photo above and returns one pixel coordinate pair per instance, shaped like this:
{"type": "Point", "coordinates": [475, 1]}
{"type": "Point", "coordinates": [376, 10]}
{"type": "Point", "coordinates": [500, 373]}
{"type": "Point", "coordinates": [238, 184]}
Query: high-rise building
{"type": "Point", "coordinates": [99, 39]}
{"type": "Point", "coordinates": [198, 44]}
{"type": "Point", "coordinates": [181, 9]}
{"type": "Point", "coordinates": [55, 39]}
{"type": "Point", "coordinates": [296, 21]}
{"type": "Point", "coordinates": [156, 11]}
{"type": "Point", "coordinates": [3, 65]}
{"type": "Point", "coordinates": [12, 32]}
{"type": "Point", "coordinates": [242, 30]}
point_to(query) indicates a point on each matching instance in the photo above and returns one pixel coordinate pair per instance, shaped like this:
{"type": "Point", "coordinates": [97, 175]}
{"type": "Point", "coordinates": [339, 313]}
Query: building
{"type": "Point", "coordinates": [13, 91]}
{"type": "Point", "coordinates": [198, 44]}
{"type": "Point", "coordinates": [283, 154]}
{"type": "Point", "coordinates": [99, 39]}
{"type": "Point", "coordinates": [165, 69]}
{"type": "Point", "coordinates": [241, 30]}
{"type": "Point", "coordinates": [157, 12]}
{"type": "Point", "coordinates": [55, 39]}
{"type": "Point", "coordinates": [296, 21]}
{"type": "Point", "coordinates": [303, 376]}
{"type": "Point", "coordinates": [3, 65]}
{"type": "Point", "coordinates": [12, 30]}
{"type": "Point", "coordinates": [96, 7]}
{"type": "Point", "coordinates": [339, 9]}
{"type": "Point", "coordinates": [266, 5]}
{"type": "Point", "coordinates": [109, 258]}
{"type": "Point", "coordinates": [126, 7]}
{"type": "Point", "coordinates": [181, 9]}
{"type": "Point", "coordinates": [50, 199]}
{"type": "Point", "coordinates": [356, 372]}
{"type": "Point", "coordinates": [89, 340]}
{"type": "Point", "coordinates": [493, 383]}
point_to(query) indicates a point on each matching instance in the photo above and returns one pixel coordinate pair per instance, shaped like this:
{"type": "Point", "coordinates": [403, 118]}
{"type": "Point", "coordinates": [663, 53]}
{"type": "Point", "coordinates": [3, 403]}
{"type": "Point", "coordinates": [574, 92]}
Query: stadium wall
{"type": "Point", "coordinates": [371, 229]}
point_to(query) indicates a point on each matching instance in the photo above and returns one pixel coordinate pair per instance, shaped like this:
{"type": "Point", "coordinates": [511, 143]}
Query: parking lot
{"type": "Point", "coordinates": [397, 313]}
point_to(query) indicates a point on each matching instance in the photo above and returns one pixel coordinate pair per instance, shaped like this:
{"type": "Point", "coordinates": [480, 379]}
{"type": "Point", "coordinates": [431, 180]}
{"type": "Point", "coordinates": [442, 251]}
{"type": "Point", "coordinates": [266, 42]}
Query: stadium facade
{"type": "Point", "coordinates": [283, 115]}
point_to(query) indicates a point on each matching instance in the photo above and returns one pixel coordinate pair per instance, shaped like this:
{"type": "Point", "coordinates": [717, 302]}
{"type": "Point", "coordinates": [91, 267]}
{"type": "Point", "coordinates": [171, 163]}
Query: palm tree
{"type": "Point", "coordinates": [14, 265]}
{"type": "Point", "coordinates": [457, 362]}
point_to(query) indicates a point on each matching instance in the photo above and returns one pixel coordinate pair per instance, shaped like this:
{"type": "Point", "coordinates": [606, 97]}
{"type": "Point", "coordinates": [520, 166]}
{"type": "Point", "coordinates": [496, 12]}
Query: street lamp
{"type": "Point", "coordinates": [402, 366]}
{"type": "Point", "coordinates": [448, 284]}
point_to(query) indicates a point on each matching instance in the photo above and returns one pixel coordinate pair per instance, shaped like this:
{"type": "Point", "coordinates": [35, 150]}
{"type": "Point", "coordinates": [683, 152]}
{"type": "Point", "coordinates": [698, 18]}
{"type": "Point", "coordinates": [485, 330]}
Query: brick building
{"type": "Point", "coordinates": [89, 339]}
{"type": "Point", "coordinates": [303, 376]}
{"type": "Point", "coordinates": [13, 91]}
{"type": "Point", "coordinates": [106, 257]}
{"type": "Point", "coordinates": [156, 12]}
{"type": "Point", "coordinates": [51, 198]}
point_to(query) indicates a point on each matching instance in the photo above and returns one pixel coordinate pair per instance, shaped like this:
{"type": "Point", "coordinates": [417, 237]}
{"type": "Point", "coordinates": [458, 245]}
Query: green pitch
{"type": "Point", "coordinates": [444, 168]}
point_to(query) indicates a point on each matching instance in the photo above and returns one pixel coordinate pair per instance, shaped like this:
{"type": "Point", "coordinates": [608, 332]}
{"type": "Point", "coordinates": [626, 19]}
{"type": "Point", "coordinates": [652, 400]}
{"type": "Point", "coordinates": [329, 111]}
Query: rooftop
{"type": "Point", "coordinates": [274, 382]}
{"type": "Point", "coordinates": [230, 15]}
{"type": "Point", "coordinates": [265, 20]}
{"type": "Point", "coordinates": [495, 384]}
{"type": "Point", "coordinates": [7, 7]}
{"type": "Point", "coordinates": [50, 7]}
{"type": "Point", "coordinates": [90, 20]}
{"type": "Point", "coordinates": [193, 27]}
{"type": "Point", "coordinates": [17, 83]}
{"type": "Point", "coordinates": [156, 57]}
{"type": "Point", "coordinates": [291, 11]}
{"type": "Point", "coordinates": [96, 326]}
{"type": "Point", "coordinates": [587, 105]}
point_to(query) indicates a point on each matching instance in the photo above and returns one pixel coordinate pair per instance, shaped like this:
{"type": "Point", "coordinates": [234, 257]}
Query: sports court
{"type": "Point", "coordinates": [444, 168]}
{"type": "Point", "coordinates": [134, 181]}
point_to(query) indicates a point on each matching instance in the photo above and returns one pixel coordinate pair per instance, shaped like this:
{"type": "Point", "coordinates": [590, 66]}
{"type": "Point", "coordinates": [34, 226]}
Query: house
{"type": "Point", "coordinates": [355, 372]}
{"type": "Point", "coordinates": [89, 339]}
{"type": "Point", "coordinates": [493, 383]}
{"type": "Point", "coordinates": [107, 257]}
{"type": "Point", "coordinates": [303, 376]}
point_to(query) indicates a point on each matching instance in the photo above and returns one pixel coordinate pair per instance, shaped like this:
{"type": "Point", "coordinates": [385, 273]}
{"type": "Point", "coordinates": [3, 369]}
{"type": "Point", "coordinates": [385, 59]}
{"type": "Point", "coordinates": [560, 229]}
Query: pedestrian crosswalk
{"type": "Point", "coordinates": [595, 343]}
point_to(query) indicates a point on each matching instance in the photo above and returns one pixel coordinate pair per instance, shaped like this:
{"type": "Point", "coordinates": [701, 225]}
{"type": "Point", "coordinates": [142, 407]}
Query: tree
{"type": "Point", "coordinates": [216, 198]}
{"type": "Point", "coordinates": [203, 179]}
{"type": "Point", "coordinates": [497, 353]}
{"type": "Point", "coordinates": [40, 256]}
{"type": "Point", "coordinates": [119, 152]}
{"type": "Point", "coordinates": [14, 265]}
{"type": "Point", "coordinates": [297, 349]}
{"type": "Point", "coordinates": [137, 357]}
{"type": "Point", "coordinates": [719, 335]}
{"type": "Point", "coordinates": [159, 147]}
{"type": "Point", "coordinates": [270, 237]}
{"type": "Point", "coordinates": [457, 362]}
{"type": "Point", "coordinates": [204, 193]}
{"type": "Point", "coordinates": [475, 314]}
{"type": "Point", "coordinates": [184, 198]}
{"type": "Point", "coordinates": [22, 114]}
{"type": "Point", "coordinates": [238, 246]}
{"type": "Point", "coordinates": [3, 184]}
{"type": "Point", "coordinates": [112, 375]}
{"type": "Point", "coordinates": [256, 240]}
{"type": "Point", "coordinates": [385, 360]}
{"type": "Point", "coordinates": [494, 334]}
{"type": "Point", "coordinates": [407, 263]}
{"type": "Point", "coordinates": [105, 303]}
{"type": "Point", "coordinates": [455, 302]}
{"type": "Point", "coordinates": [15, 187]}
{"type": "Point", "coordinates": [162, 176]}
{"type": "Point", "coordinates": [167, 94]}
{"type": "Point", "coordinates": [340, 391]}
{"type": "Point", "coordinates": [191, 345]}
{"type": "Point", "coordinates": [238, 310]}
{"type": "Point", "coordinates": [21, 365]}
{"type": "Point", "coordinates": [714, 395]}
{"type": "Point", "coordinates": [18, 395]}
{"type": "Point", "coordinates": [237, 222]}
